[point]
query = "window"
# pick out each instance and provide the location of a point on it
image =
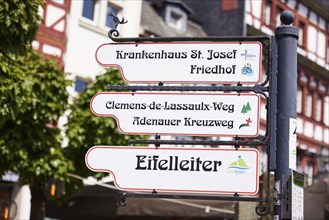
(299, 99)
(267, 12)
(278, 15)
(308, 170)
(176, 18)
(308, 110)
(326, 110)
(302, 33)
(80, 84)
(318, 116)
(109, 19)
(88, 9)
(95, 15)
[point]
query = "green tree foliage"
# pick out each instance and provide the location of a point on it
(19, 21)
(14, 88)
(32, 98)
(30, 141)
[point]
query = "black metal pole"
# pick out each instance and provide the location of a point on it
(287, 37)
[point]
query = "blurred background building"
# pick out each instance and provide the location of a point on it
(72, 31)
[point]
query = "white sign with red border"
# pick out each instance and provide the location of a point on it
(193, 114)
(185, 62)
(190, 170)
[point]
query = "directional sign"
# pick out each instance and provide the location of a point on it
(199, 114)
(185, 62)
(194, 170)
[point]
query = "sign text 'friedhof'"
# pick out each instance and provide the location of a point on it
(185, 62)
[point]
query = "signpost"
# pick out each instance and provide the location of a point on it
(287, 37)
(185, 62)
(204, 170)
(194, 114)
(188, 170)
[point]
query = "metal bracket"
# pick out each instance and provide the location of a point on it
(122, 200)
(114, 32)
(238, 89)
(262, 210)
(157, 137)
(199, 142)
(154, 194)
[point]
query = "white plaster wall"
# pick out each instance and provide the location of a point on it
(256, 8)
(308, 129)
(132, 13)
(300, 126)
(53, 14)
(321, 45)
(326, 136)
(292, 3)
(81, 45)
(302, 10)
(311, 38)
(326, 110)
(84, 37)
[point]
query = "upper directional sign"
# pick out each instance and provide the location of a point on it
(185, 62)
(199, 114)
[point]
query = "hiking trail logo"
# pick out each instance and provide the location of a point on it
(293, 152)
(248, 56)
(238, 167)
(246, 108)
(246, 124)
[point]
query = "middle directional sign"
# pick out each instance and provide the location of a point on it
(183, 113)
(185, 62)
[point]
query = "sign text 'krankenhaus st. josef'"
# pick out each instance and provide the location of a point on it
(195, 114)
(185, 62)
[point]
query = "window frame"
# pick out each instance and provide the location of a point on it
(181, 22)
(98, 24)
(87, 10)
(81, 79)
(108, 17)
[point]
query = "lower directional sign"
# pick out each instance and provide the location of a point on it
(192, 170)
(198, 114)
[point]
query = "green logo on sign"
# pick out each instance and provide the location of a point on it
(238, 167)
(246, 108)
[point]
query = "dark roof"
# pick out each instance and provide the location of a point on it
(153, 24)
(179, 2)
(324, 3)
(321, 7)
